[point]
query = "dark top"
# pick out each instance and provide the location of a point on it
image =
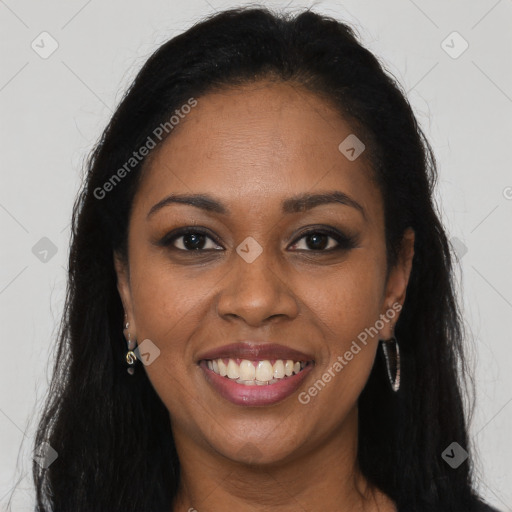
(486, 508)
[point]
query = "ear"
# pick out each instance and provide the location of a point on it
(396, 285)
(123, 287)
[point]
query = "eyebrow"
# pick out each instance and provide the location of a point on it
(300, 203)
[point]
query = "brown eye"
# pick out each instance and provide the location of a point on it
(189, 240)
(323, 241)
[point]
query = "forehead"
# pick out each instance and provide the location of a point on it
(257, 144)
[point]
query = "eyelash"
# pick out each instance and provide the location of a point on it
(344, 242)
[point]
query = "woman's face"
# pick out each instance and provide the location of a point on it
(264, 276)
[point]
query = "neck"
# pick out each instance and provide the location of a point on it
(326, 477)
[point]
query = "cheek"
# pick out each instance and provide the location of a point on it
(164, 292)
(349, 299)
(345, 306)
(171, 304)
(168, 308)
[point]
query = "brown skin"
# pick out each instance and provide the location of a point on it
(251, 148)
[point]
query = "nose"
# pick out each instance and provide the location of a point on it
(256, 293)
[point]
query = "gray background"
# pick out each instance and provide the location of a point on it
(53, 110)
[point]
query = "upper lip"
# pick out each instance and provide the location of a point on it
(255, 351)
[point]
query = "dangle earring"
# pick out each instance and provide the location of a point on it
(131, 358)
(391, 353)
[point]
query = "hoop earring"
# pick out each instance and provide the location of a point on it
(391, 353)
(130, 357)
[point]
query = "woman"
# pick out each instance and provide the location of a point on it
(260, 313)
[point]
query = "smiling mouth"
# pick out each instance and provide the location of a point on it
(255, 372)
(252, 373)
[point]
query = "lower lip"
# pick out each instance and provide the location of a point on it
(240, 394)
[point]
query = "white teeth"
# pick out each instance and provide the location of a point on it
(256, 373)
(247, 370)
(223, 369)
(278, 369)
(233, 370)
(246, 382)
(264, 371)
